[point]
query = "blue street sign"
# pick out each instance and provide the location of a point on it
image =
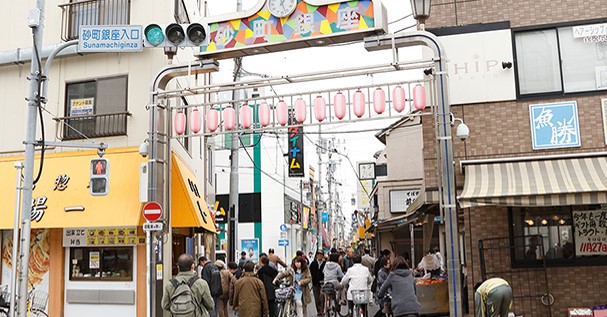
(283, 242)
(325, 216)
(283, 227)
(110, 38)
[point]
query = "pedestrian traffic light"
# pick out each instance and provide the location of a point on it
(176, 35)
(99, 183)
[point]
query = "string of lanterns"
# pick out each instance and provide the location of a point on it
(399, 103)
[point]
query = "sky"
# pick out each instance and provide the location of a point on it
(358, 147)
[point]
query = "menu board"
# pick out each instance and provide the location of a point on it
(90, 237)
(590, 232)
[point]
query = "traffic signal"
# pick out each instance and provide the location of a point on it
(176, 35)
(99, 183)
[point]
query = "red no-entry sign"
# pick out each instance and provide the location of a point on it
(152, 211)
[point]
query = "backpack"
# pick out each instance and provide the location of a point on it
(216, 285)
(182, 301)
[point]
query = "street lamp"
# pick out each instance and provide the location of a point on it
(421, 11)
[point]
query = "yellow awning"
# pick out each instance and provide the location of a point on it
(188, 207)
(74, 206)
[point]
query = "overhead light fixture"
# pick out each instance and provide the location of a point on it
(421, 11)
(544, 222)
(562, 221)
(530, 222)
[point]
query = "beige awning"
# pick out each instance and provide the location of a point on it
(548, 181)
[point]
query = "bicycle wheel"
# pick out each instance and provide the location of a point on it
(329, 307)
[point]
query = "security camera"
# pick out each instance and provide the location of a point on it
(462, 131)
(143, 149)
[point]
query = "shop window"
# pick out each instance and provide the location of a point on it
(549, 234)
(101, 264)
(95, 108)
(561, 60)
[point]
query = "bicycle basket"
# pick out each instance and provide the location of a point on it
(360, 296)
(328, 288)
(284, 294)
(38, 301)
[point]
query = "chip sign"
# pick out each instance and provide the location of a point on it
(152, 211)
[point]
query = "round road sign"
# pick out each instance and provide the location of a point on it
(152, 211)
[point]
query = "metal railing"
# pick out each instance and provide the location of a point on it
(93, 126)
(92, 12)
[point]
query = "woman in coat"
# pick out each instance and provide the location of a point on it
(299, 276)
(401, 282)
(381, 278)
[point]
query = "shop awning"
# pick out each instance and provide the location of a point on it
(189, 209)
(546, 181)
(62, 198)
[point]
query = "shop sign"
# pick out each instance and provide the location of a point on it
(554, 125)
(296, 150)
(306, 217)
(400, 200)
(591, 33)
(590, 232)
(89, 237)
(81, 107)
(94, 260)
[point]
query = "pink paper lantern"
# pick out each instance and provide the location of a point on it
(379, 101)
(398, 99)
(320, 108)
(195, 121)
(419, 97)
(281, 113)
(339, 105)
(358, 103)
(246, 116)
(229, 118)
(264, 114)
(179, 122)
(300, 110)
(212, 120)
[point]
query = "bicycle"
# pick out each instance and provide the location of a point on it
(36, 302)
(360, 298)
(285, 306)
(332, 308)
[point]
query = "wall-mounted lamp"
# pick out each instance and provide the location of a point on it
(506, 65)
(421, 11)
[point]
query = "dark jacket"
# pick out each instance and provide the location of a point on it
(250, 296)
(347, 263)
(382, 275)
(207, 275)
(200, 290)
(401, 282)
(316, 271)
(267, 274)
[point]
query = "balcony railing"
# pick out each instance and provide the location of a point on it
(93, 126)
(92, 12)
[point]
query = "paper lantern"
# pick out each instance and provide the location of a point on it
(229, 118)
(179, 122)
(212, 120)
(358, 103)
(264, 114)
(300, 110)
(339, 105)
(398, 99)
(195, 121)
(281, 113)
(246, 116)
(419, 97)
(379, 101)
(320, 108)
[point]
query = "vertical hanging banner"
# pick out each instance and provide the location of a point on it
(296, 147)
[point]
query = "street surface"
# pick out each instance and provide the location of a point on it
(372, 309)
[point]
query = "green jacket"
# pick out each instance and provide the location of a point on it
(200, 289)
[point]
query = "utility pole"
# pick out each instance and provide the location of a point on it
(233, 225)
(36, 23)
(319, 210)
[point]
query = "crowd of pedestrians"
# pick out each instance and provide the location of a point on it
(249, 288)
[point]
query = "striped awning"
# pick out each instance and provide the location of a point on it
(539, 182)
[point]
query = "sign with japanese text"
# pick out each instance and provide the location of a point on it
(296, 148)
(400, 200)
(82, 107)
(590, 30)
(554, 125)
(590, 232)
(94, 260)
(89, 237)
(110, 38)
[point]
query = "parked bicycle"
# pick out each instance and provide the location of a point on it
(36, 302)
(332, 307)
(360, 298)
(285, 305)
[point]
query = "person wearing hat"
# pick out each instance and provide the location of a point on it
(226, 278)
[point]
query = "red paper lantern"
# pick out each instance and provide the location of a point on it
(246, 116)
(195, 121)
(419, 97)
(179, 122)
(281, 113)
(229, 118)
(264, 114)
(320, 108)
(300, 110)
(212, 120)
(339, 105)
(379, 101)
(358, 103)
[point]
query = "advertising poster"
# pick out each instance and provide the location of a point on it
(590, 232)
(81, 107)
(251, 247)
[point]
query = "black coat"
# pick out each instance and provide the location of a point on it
(267, 274)
(316, 271)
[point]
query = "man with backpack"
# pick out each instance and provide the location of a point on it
(187, 295)
(210, 273)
